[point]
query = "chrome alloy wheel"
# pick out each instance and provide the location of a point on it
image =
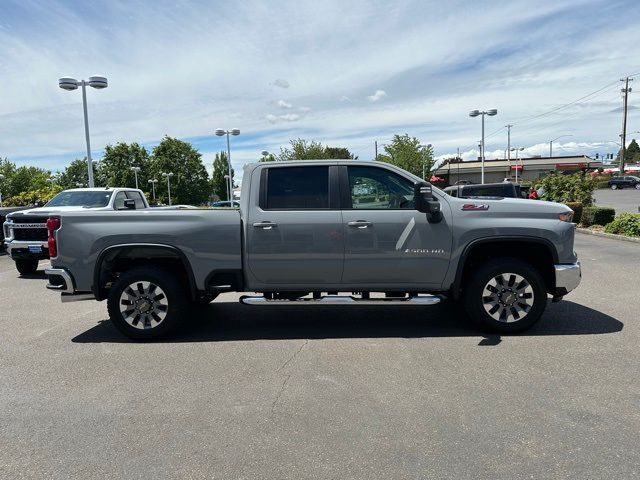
(143, 305)
(507, 297)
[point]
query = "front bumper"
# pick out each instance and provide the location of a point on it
(568, 276)
(25, 249)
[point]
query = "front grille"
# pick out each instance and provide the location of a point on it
(38, 234)
(28, 219)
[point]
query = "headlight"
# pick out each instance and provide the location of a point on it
(566, 216)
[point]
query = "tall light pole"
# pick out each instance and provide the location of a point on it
(168, 177)
(1, 178)
(96, 81)
(425, 155)
(517, 150)
(153, 188)
(135, 171)
(475, 113)
(235, 132)
(551, 143)
(265, 155)
(226, 177)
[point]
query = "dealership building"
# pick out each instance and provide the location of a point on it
(528, 169)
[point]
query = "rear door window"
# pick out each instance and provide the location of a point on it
(118, 202)
(297, 188)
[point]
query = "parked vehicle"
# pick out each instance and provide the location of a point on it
(628, 181)
(307, 230)
(4, 211)
(25, 231)
(502, 189)
(226, 203)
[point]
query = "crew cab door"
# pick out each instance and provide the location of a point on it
(387, 241)
(294, 233)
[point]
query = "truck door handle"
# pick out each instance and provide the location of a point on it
(265, 225)
(360, 224)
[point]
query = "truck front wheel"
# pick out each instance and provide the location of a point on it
(27, 266)
(505, 295)
(146, 303)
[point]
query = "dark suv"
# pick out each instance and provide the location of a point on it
(623, 182)
(502, 189)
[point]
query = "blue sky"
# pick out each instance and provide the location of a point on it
(343, 73)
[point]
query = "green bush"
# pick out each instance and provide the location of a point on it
(577, 210)
(597, 216)
(562, 188)
(33, 197)
(602, 183)
(625, 224)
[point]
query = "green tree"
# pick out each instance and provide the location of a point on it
(114, 169)
(406, 152)
(190, 181)
(338, 153)
(268, 158)
(302, 149)
(219, 184)
(74, 174)
(631, 154)
(18, 180)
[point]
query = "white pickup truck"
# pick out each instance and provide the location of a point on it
(25, 231)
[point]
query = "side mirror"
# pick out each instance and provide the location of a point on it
(130, 204)
(425, 202)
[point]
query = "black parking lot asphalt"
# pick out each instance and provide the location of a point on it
(325, 392)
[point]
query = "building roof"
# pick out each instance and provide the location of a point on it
(541, 163)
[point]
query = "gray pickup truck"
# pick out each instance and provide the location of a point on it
(308, 230)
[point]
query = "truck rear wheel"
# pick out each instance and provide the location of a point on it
(146, 303)
(505, 295)
(27, 266)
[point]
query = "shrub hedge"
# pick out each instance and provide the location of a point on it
(597, 216)
(625, 224)
(577, 210)
(602, 183)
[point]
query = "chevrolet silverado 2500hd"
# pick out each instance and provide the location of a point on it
(25, 231)
(307, 230)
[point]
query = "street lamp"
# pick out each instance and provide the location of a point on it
(424, 159)
(551, 143)
(475, 113)
(235, 132)
(226, 177)
(96, 81)
(515, 149)
(153, 188)
(168, 177)
(79, 185)
(265, 154)
(135, 171)
(1, 178)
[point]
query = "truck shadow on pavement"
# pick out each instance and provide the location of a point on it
(226, 321)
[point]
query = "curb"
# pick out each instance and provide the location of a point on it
(608, 235)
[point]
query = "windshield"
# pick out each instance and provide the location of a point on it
(80, 199)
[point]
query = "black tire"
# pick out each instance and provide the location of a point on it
(514, 307)
(637, 186)
(165, 304)
(614, 187)
(27, 266)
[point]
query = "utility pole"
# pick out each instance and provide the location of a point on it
(376, 157)
(623, 137)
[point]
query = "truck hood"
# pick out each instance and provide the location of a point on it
(511, 207)
(45, 211)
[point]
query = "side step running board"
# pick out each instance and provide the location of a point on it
(343, 300)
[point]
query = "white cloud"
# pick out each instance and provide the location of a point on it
(164, 80)
(378, 95)
(283, 104)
